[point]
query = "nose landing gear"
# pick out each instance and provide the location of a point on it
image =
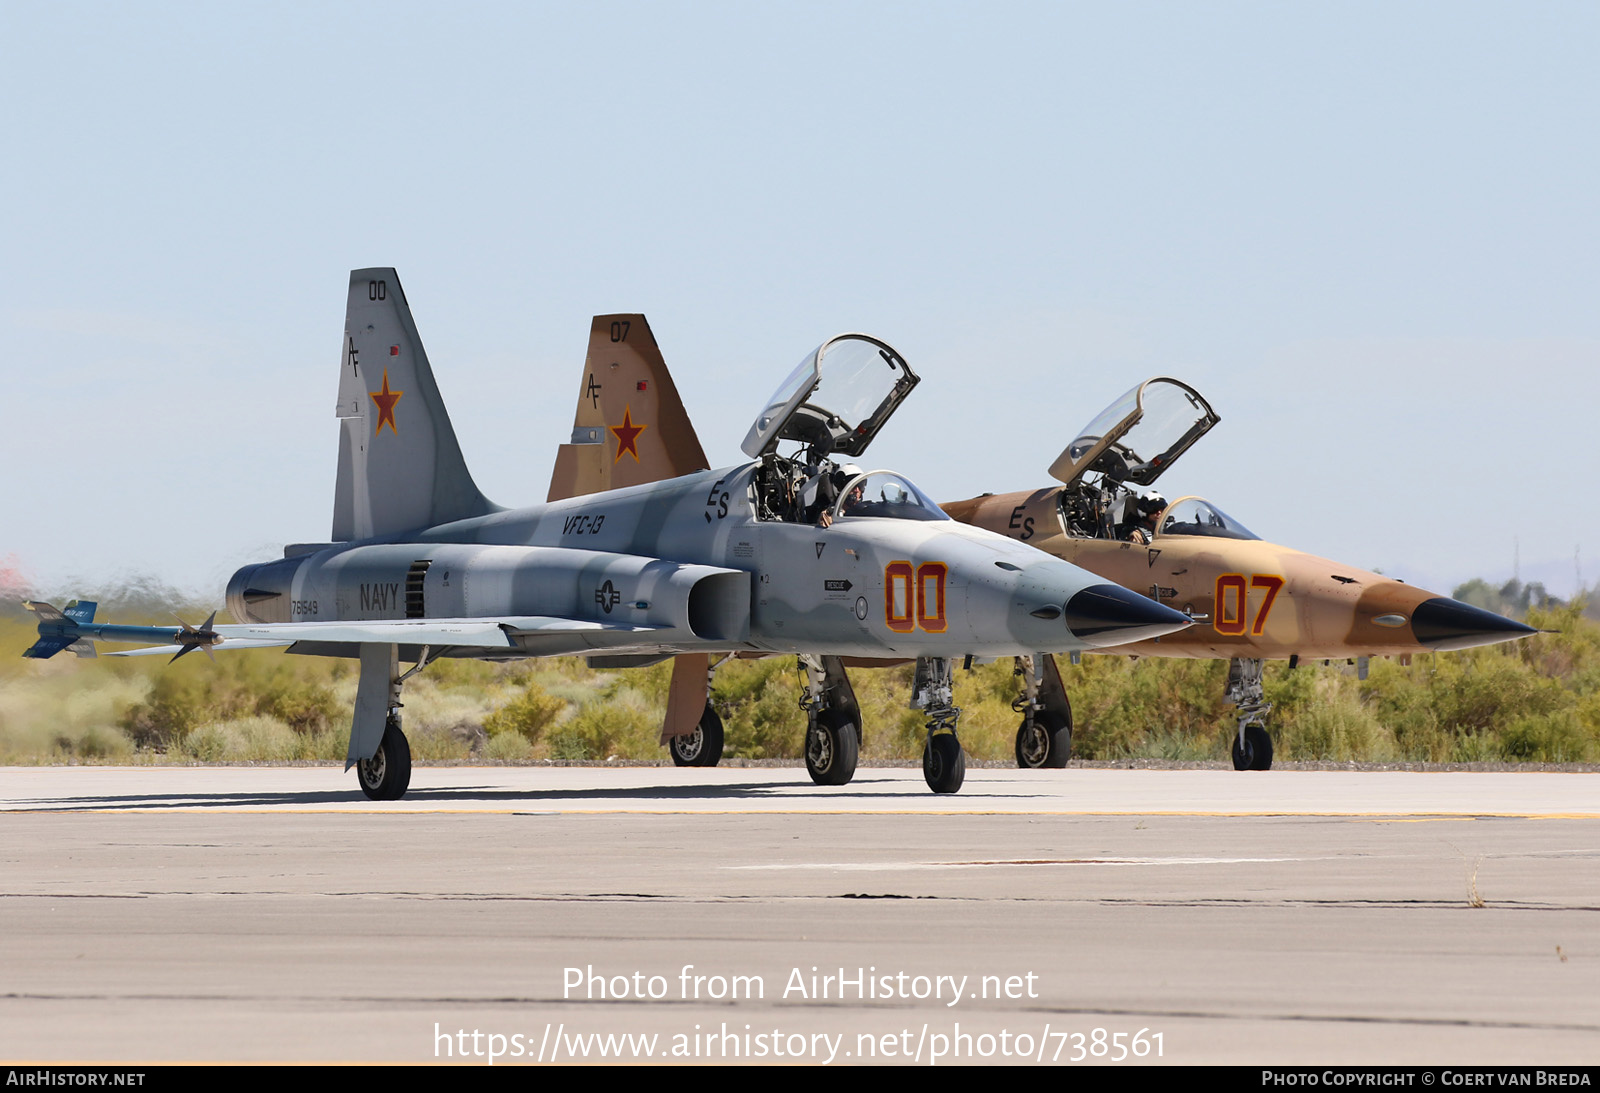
(944, 764)
(1252, 747)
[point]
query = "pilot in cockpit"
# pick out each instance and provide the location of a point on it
(1139, 524)
(817, 491)
(822, 490)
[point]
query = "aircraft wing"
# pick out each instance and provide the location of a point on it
(489, 633)
(539, 634)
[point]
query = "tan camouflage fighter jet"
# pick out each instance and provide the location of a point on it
(1251, 600)
(754, 558)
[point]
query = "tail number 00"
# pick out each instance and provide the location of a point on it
(1233, 602)
(913, 599)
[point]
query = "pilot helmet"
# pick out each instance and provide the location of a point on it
(1151, 503)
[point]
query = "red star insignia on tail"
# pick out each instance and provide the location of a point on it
(627, 435)
(386, 400)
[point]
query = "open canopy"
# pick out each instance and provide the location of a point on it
(1138, 436)
(836, 399)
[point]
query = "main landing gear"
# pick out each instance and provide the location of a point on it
(833, 721)
(692, 731)
(387, 775)
(700, 746)
(1252, 747)
(1045, 738)
(944, 764)
(378, 748)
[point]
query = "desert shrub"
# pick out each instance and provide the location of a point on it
(622, 727)
(174, 705)
(1558, 738)
(1117, 702)
(94, 742)
(758, 703)
(528, 714)
(304, 707)
(255, 738)
(1332, 723)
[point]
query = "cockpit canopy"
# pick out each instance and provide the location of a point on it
(1197, 516)
(1138, 436)
(836, 399)
(887, 495)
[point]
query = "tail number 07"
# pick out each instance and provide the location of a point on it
(1233, 602)
(913, 598)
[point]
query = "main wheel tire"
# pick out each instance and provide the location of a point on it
(1046, 744)
(832, 746)
(386, 776)
(1256, 752)
(944, 764)
(701, 747)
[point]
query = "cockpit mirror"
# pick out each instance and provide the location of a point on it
(836, 399)
(1138, 436)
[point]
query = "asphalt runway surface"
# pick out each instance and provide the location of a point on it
(1121, 917)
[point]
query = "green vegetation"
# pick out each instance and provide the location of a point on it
(1536, 700)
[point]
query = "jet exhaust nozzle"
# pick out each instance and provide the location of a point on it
(1108, 614)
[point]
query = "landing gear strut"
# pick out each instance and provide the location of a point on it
(944, 764)
(1252, 747)
(378, 748)
(833, 721)
(1045, 738)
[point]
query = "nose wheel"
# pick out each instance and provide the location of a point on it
(944, 764)
(1252, 748)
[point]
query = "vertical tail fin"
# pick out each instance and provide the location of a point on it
(630, 427)
(399, 464)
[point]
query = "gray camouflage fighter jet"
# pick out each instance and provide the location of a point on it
(749, 558)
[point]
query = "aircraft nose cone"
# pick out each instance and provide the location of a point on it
(1443, 623)
(1108, 614)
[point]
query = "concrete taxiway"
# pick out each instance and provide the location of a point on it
(260, 913)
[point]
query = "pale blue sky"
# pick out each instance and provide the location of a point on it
(1367, 232)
